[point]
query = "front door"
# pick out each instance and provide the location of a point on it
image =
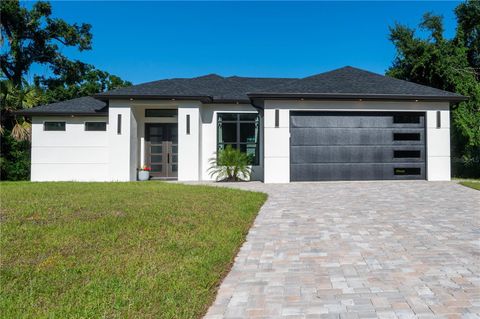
(161, 148)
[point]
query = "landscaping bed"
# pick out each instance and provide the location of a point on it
(116, 250)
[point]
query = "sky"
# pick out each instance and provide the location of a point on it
(147, 41)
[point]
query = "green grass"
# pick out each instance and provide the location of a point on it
(117, 250)
(472, 184)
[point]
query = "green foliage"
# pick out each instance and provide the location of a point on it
(118, 250)
(14, 98)
(230, 165)
(15, 159)
(447, 64)
(468, 15)
(91, 82)
(33, 36)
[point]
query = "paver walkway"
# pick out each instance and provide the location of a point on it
(358, 250)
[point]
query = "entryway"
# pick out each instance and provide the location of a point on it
(161, 149)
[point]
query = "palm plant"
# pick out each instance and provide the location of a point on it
(230, 165)
(14, 98)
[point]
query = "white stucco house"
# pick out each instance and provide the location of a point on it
(346, 124)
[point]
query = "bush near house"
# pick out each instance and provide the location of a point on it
(117, 250)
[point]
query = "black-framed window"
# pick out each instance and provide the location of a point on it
(95, 126)
(241, 131)
(160, 113)
(54, 126)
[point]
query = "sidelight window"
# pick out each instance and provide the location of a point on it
(241, 131)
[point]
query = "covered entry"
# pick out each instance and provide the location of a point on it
(161, 149)
(329, 146)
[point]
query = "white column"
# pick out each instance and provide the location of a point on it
(438, 145)
(189, 142)
(276, 145)
(122, 142)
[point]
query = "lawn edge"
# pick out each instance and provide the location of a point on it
(232, 261)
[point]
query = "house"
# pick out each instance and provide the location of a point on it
(346, 124)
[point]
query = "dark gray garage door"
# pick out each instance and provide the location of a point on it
(326, 146)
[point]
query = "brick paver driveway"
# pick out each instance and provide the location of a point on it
(358, 250)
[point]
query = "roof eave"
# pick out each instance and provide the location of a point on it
(48, 113)
(350, 97)
(106, 97)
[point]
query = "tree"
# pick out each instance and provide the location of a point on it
(33, 36)
(468, 19)
(91, 82)
(444, 64)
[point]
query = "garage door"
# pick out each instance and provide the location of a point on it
(327, 146)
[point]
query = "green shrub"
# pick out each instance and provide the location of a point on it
(230, 165)
(15, 159)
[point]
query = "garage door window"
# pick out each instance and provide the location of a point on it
(406, 136)
(406, 119)
(241, 131)
(406, 171)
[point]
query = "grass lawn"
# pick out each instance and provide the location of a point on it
(472, 184)
(117, 250)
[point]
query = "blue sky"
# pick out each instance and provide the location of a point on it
(146, 41)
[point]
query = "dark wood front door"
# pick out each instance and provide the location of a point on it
(161, 148)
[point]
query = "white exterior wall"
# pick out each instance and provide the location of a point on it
(70, 155)
(209, 136)
(189, 144)
(79, 155)
(438, 145)
(277, 140)
(122, 163)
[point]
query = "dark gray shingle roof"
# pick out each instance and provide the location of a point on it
(86, 105)
(354, 82)
(213, 87)
(346, 82)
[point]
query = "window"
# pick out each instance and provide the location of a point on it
(119, 124)
(54, 126)
(160, 113)
(277, 118)
(439, 119)
(406, 171)
(406, 119)
(95, 126)
(406, 136)
(188, 124)
(241, 131)
(406, 154)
